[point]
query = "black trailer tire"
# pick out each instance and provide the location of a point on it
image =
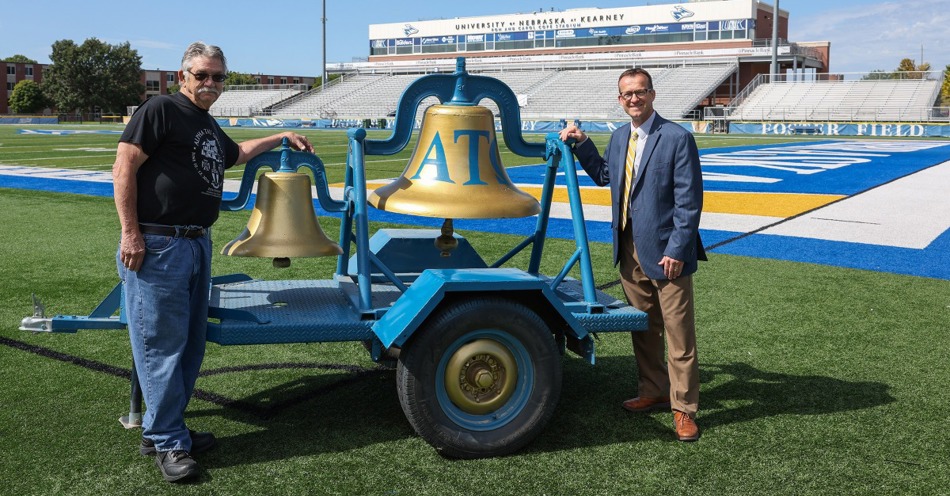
(480, 379)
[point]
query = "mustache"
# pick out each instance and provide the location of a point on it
(208, 90)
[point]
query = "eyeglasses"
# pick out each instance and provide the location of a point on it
(201, 76)
(639, 94)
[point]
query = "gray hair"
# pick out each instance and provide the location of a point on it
(200, 49)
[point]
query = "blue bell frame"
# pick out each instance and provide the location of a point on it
(375, 304)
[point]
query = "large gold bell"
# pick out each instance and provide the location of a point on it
(455, 171)
(283, 224)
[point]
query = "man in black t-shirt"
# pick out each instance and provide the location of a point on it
(168, 176)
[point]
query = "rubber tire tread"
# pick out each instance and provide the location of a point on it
(416, 371)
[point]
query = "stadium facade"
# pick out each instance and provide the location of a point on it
(652, 35)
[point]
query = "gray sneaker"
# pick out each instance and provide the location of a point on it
(200, 442)
(176, 465)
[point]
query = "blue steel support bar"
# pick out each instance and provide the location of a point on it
(547, 197)
(514, 251)
(109, 304)
(566, 269)
(386, 271)
(357, 137)
(577, 215)
(100, 318)
(346, 223)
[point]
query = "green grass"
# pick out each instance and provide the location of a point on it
(815, 380)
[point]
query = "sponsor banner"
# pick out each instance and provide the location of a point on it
(640, 30)
(568, 33)
(438, 40)
(694, 26)
(517, 36)
(29, 120)
(874, 129)
(733, 25)
(262, 122)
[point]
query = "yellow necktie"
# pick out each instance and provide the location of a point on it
(628, 178)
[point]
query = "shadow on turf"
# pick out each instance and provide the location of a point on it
(323, 412)
(763, 394)
(343, 409)
(589, 413)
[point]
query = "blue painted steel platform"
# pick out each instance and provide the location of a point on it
(306, 311)
(290, 311)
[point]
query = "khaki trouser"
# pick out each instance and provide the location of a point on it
(669, 306)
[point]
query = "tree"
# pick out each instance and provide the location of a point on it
(945, 89)
(877, 74)
(240, 79)
(94, 74)
(20, 59)
(911, 70)
(319, 80)
(27, 98)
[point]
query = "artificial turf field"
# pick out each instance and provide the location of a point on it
(818, 377)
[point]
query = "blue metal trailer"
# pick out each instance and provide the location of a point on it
(478, 345)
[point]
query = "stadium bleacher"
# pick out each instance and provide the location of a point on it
(587, 94)
(544, 93)
(248, 101)
(839, 100)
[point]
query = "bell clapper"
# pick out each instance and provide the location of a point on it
(446, 242)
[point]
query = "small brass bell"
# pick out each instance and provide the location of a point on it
(283, 224)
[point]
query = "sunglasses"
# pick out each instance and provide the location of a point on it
(201, 76)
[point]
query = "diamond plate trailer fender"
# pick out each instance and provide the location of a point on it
(433, 286)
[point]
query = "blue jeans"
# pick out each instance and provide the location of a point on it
(166, 304)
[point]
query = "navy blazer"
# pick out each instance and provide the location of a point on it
(667, 194)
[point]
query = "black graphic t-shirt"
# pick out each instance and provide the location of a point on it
(181, 181)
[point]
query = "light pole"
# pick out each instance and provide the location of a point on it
(323, 81)
(773, 70)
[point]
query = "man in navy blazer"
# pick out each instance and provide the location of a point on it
(656, 190)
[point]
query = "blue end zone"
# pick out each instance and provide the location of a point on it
(825, 167)
(933, 261)
(78, 187)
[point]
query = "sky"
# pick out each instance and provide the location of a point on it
(287, 38)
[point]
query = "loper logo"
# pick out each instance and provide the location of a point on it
(409, 30)
(208, 160)
(679, 12)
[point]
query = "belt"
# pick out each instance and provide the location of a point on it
(175, 232)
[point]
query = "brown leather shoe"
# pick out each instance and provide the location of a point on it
(686, 428)
(639, 404)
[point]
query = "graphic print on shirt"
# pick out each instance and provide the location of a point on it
(208, 161)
